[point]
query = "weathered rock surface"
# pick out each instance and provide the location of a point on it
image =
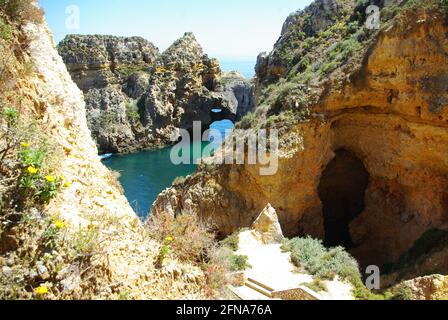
(386, 108)
(434, 287)
(93, 200)
(238, 92)
(98, 61)
(268, 226)
(181, 91)
(317, 17)
(136, 97)
(112, 73)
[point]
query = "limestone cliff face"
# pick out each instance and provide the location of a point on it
(238, 93)
(392, 114)
(181, 90)
(98, 61)
(369, 163)
(93, 199)
(137, 97)
(111, 73)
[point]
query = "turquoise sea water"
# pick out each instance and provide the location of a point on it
(144, 175)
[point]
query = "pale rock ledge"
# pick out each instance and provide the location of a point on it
(267, 226)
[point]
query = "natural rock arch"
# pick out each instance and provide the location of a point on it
(342, 189)
(220, 113)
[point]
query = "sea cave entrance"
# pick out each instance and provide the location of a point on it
(342, 191)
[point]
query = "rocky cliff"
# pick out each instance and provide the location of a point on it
(363, 133)
(80, 239)
(137, 97)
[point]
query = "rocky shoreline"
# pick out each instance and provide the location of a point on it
(136, 97)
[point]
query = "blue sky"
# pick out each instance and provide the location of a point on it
(227, 29)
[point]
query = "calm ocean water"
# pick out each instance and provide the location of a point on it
(144, 175)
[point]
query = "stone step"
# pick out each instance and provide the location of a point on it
(259, 287)
(246, 293)
(258, 283)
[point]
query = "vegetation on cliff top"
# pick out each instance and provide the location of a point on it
(305, 58)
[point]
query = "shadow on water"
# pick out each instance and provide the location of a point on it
(144, 175)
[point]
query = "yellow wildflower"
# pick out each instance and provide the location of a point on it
(67, 184)
(41, 290)
(169, 239)
(50, 179)
(59, 224)
(25, 144)
(32, 170)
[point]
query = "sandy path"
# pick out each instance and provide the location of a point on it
(273, 268)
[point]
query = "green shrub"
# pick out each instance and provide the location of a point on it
(401, 292)
(132, 110)
(5, 30)
(325, 263)
(48, 188)
(316, 66)
(307, 253)
(36, 185)
(36, 181)
(352, 27)
(30, 156)
(349, 47)
(304, 63)
(304, 77)
(329, 67)
(301, 35)
(46, 241)
(317, 285)
(164, 251)
(239, 262)
(248, 121)
(232, 242)
(11, 116)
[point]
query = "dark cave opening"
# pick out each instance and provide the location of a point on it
(342, 191)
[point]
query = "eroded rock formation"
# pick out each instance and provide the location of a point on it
(91, 203)
(238, 94)
(136, 97)
(268, 227)
(371, 147)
